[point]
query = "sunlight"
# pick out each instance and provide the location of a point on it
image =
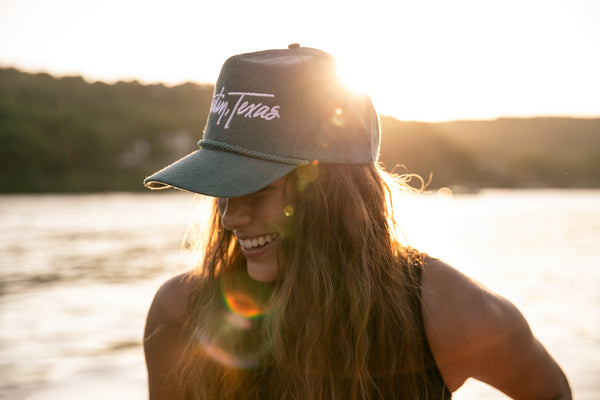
(429, 61)
(355, 74)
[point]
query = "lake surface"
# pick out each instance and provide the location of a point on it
(78, 273)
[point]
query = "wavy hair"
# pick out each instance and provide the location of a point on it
(342, 322)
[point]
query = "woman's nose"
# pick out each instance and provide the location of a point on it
(234, 213)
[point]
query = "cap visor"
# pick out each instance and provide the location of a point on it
(218, 173)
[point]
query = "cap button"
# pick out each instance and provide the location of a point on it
(293, 46)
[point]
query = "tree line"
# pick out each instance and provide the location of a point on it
(64, 134)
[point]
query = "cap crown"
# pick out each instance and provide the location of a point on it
(289, 106)
(272, 111)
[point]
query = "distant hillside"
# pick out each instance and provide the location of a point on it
(65, 134)
(507, 152)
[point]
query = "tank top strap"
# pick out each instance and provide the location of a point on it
(435, 381)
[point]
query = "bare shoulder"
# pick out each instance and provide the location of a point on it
(475, 332)
(171, 299)
(457, 312)
(453, 300)
(163, 335)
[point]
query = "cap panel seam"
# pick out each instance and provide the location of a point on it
(301, 104)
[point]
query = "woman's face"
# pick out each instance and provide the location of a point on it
(259, 221)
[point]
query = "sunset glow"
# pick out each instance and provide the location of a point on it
(430, 60)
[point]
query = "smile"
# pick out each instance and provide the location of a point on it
(257, 242)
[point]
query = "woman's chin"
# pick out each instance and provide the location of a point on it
(263, 272)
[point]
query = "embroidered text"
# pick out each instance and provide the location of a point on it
(244, 106)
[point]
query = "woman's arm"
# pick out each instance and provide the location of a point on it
(163, 341)
(476, 333)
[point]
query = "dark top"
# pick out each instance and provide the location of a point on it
(435, 381)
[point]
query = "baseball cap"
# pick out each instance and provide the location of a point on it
(271, 112)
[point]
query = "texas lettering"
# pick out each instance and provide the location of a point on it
(247, 105)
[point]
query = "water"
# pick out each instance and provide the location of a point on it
(78, 272)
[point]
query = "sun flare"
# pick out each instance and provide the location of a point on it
(355, 75)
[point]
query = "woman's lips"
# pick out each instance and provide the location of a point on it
(256, 247)
(257, 242)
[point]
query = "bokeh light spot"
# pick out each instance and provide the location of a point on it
(338, 117)
(307, 174)
(444, 193)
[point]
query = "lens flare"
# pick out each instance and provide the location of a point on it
(236, 359)
(243, 296)
(338, 118)
(233, 338)
(225, 358)
(307, 174)
(241, 304)
(237, 321)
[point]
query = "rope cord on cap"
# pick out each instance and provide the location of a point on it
(216, 145)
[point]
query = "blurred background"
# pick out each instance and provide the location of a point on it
(497, 103)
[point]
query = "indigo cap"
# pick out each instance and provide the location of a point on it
(271, 112)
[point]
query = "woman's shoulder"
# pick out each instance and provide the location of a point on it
(475, 332)
(171, 299)
(458, 313)
(452, 299)
(164, 341)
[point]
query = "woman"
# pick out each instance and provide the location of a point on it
(304, 291)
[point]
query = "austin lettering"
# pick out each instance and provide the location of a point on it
(245, 106)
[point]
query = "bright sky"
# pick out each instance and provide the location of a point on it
(427, 60)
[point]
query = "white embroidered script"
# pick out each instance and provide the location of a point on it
(244, 106)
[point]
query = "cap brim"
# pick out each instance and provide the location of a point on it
(218, 173)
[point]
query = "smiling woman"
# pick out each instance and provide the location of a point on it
(258, 222)
(304, 289)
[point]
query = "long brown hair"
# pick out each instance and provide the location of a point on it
(343, 321)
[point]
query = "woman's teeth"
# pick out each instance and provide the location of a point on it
(257, 241)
